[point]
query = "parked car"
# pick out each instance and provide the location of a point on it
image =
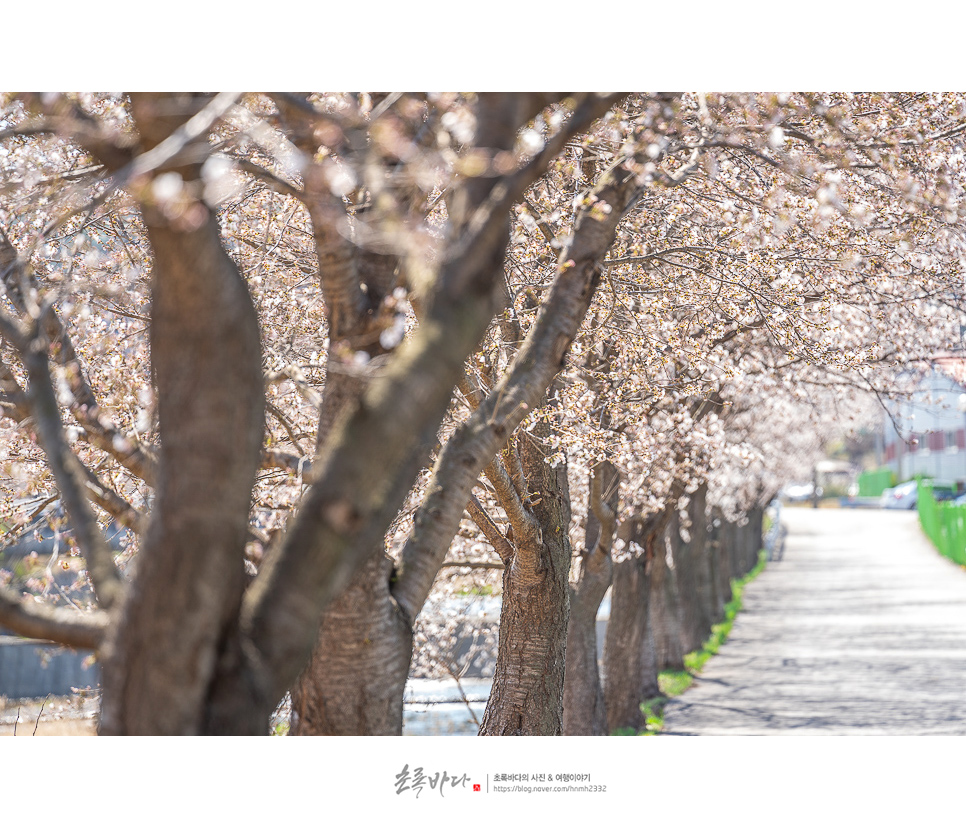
(798, 492)
(900, 497)
(945, 492)
(905, 496)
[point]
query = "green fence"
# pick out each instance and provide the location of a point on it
(944, 523)
(873, 482)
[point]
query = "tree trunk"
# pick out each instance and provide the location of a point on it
(757, 542)
(732, 540)
(584, 713)
(693, 570)
(189, 576)
(747, 541)
(723, 559)
(665, 610)
(354, 682)
(527, 694)
(718, 575)
(630, 661)
(498, 123)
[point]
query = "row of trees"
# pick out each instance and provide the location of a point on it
(311, 350)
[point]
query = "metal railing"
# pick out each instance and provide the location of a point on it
(943, 522)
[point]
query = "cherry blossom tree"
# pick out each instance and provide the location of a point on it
(230, 648)
(297, 343)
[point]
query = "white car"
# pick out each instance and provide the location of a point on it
(904, 496)
(798, 492)
(901, 497)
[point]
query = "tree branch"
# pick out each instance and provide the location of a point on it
(489, 529)
(81, 630)
(135, 457)
(373, 453)
(477, 441)
(294, 464)
(69, 475)
(276, 184)
(109, 501)
(520, 517)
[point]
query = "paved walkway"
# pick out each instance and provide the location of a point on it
(860, 629)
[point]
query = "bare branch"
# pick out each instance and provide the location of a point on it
(489, 529)
(277, 459)
(520, 517)
(277, 184)
(66, 626)
(69, 476)
(279, 415)
(109, 501)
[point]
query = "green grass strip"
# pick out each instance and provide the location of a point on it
(673, 684)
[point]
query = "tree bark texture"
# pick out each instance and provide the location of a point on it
(743, 541)
(731, 539)
(190, 649)
(354, 682)
(724, 572)
(541, 357)
(360, 614)
(693, 571)
(630, 659)
(177, 631)
(757, 525)
(665, 609)
(528, 683)
(584, 712)
(715, 591)
(373, 454)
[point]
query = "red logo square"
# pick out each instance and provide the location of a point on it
(476, 787)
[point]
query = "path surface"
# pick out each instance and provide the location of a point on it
(860, 629)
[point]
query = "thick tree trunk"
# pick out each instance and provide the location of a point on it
(528, 683)
(730, 537)
(630, 661)
(184, 599)
(746, 541)
(373, 456)
(476, 442)
(665, 610)
(354, 682)
(584, 712)
(693, 570)
(722, 545)
(757, 524)
(246, 647)
(719, 577)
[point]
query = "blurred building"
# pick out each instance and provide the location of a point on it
(926, 435)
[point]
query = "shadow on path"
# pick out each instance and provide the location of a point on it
(860, 629)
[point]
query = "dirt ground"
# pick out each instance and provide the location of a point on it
(63, 716)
